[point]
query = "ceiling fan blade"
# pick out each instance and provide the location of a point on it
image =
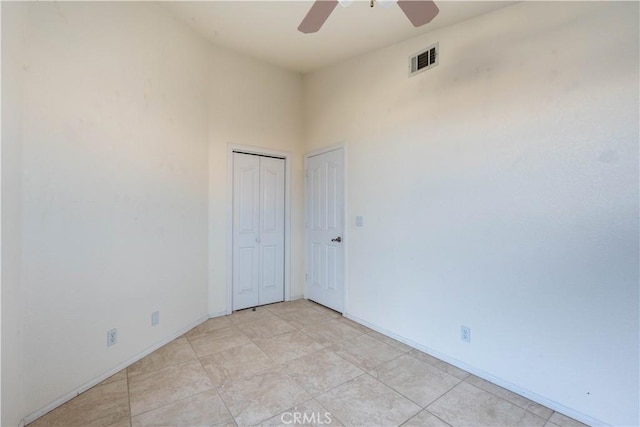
(317, 15)
(419, 12)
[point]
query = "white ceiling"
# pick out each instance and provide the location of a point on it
(267, 29)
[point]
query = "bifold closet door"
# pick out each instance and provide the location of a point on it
(258, 230)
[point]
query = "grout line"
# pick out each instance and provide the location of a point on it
(281, 367)
(401, 394)
(438, 367)
(278, 366)
(438, 417)
(379, 381)
(506, 400)
(423, 407)
(389, 344)
(156, 370)
(430, 413)
(333, 417)
(442, 395)
(172, 366)
(213, 383)
(372, 333)
(180, 400)
(340, 385)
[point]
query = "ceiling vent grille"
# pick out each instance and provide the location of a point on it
(424, 60)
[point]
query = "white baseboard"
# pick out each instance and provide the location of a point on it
(296, 297)
(217, 314)
(86, 386)
(551, 404)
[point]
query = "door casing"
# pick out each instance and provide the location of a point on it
(287, 215)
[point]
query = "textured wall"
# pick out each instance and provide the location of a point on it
(500, 191)
(115, 187)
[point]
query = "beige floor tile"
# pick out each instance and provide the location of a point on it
(366, 352)
(289, 346)
(307, 414)
(209, 326)
(305, 318)
(121, 375)
(564, 421)
(237, 363)
(99, 406)
(330, 332)
(325, 311)
(425, 419)
(266, 328)
(218, 340)
(469, 405)
(536, 408)
(420, 382)
(448, 368)
(365, 401)
(204, 409)
(248, 315)
(158, 388)
(176, 352)
(260, 397)
(321, 371)
(388, 340)
(123, 423)
(285, 307)
(355, 325)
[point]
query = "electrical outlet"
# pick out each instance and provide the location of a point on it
(155, 318)
(112, 337)
(465, 334)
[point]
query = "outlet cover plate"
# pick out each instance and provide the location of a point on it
(465, 334)
(112, 337)
(155, 318)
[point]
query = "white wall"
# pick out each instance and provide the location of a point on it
(253, 104)
(500, 191)
(127, 115)
(115, 187)
(13, 27)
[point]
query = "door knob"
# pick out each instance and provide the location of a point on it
(337, 239)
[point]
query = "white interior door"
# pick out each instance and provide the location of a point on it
(258, 230)
(325, 228)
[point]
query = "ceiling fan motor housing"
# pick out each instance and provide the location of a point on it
(419, 12)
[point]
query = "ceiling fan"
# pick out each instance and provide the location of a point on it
(419, 12)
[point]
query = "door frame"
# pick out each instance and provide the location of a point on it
(345, 212)
(231, 148)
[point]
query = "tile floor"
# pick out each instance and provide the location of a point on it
(295, 363)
